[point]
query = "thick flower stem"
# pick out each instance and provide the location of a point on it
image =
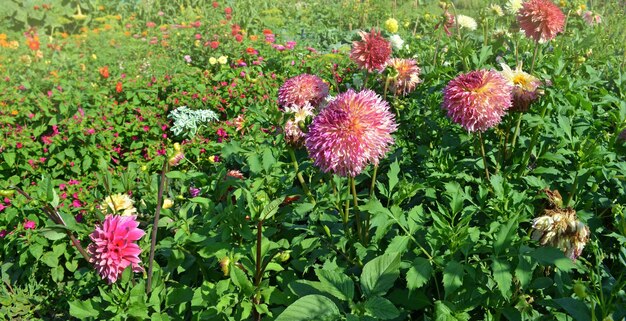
(155, 225)
(357, 215)
(258, 274)
(482, 150)
(533, 141)
(373, 184)
(532, 66)
(516, 132)
(305, 187)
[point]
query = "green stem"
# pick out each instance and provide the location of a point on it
(533, 141)
(570, 197)
(155, 226)
(373, 180)
(515, 134)
(532, 66)
(357, 215)
(305, 187)
(482, 150)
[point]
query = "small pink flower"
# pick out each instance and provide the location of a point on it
(61, 186)
(76, 203)
(73, 181)
(2, 207)
(29, 225)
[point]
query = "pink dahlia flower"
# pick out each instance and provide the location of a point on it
(541, 20)
(406, 75)
(351, 132)
(302, 89)
(477, 100)
(372, 52)
(113, 248)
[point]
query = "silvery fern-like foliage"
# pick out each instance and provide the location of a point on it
(187, 121)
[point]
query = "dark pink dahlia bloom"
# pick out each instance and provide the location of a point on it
(541, 20)
(477, 100)
(302, 89)
(351, 132)
(372, 52)
(114, 248)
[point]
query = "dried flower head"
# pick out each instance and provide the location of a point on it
(372, 52)
(405, 75)
(352, 131)
(114, 248)
(301, 90)
(560, 228)
(525, 87)
(477, 100)
(541, 20)
(119, 204)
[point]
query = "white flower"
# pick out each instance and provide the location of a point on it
(512, 6)
(118, 204)
(396, 42)
(496, 9)
(212, 60)
(222, 60)
(466, 22)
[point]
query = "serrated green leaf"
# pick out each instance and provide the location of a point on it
(497, 182)
(502, 275)
(552, 256)
(392, 174)
(270, 210)
(310, 308)
(9, 158)
(82, 309)
(240, 279)
(575, 308)
(419, 273)
(379, 274)
(268, 159)
(340, 282)
(381, 308)
(452, 277)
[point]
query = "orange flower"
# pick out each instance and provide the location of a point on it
(104, 71)
(254, 38)
(267, 32)
(251, 51)
(118, 87)
(14, 112)
(33, 43)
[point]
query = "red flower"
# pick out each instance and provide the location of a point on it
(239, 38)
(541, 20)
(118, 87)
(215, 44)
(228, 10)
(372, 52)
(215, 4)
(104, 72)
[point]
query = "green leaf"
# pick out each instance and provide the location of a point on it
(310, 308)
(9, 158)
(179, 295)
(552, 256)
(268, 159)
(82, 309)
(340, 282)
(392, 174)
(575, 308)
(270, 210)
(452, 277)
(505, 235)
(52, 233)
(496, 183)
(381, 308)
(419, 273)
(502, 275)
(379, 274)
(240, 279)
(50, 259)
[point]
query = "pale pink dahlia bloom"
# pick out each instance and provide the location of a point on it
(406, 75)
(302, 89)
(351, 132)
(114, 248)
(541, 20)
(372, 52)
(477, 100)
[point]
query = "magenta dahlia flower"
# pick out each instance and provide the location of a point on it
(351, 132)
(114, 248)
(372, 52)
(541, 20)
(477, 100)
(302, 89)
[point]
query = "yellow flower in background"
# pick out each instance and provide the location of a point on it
(119, 204)
(94, 57)
(391, 25)
(222, 60)
(212, 60)
(167, 203)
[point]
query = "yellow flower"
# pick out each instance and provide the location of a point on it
(120, 204)
(222, 60)
(212, 158)
(94, 57)
(212, 60)
(391, 25)
(167, 203)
